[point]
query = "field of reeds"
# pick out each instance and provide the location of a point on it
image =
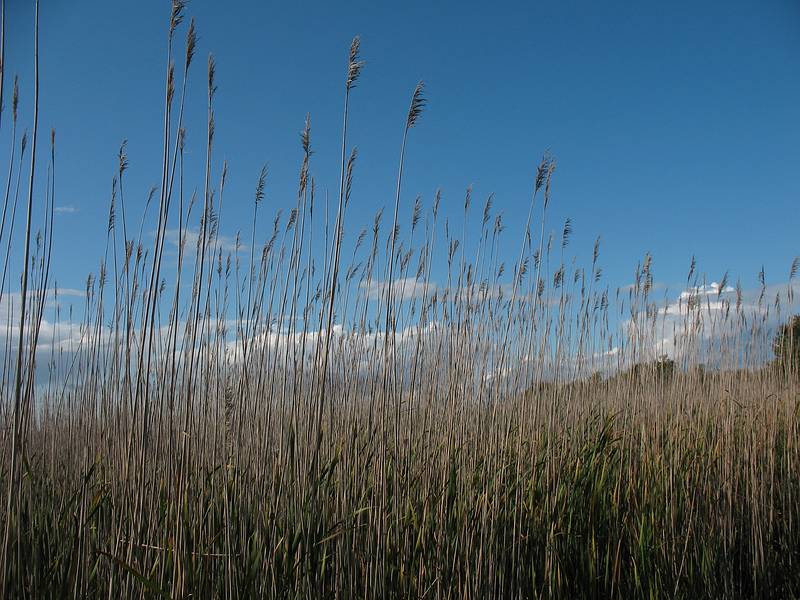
(407, 413)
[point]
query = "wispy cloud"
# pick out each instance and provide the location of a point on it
(54, 334)
(402, 289)
(350, 348)
(410, 288)
(192, 236)
(701, 316)
(658, 285)
(66, 209)
(712, 288)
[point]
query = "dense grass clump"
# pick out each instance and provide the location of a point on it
(401, 414)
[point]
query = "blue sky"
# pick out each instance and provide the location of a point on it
(675, 124)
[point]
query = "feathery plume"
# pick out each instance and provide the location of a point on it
(123, 157)
(305, 136)
(112, 210)
(170, 83)
(738, 295)
(418, 102)
(191, 43)
(176, 16)
(541, 171)
(354, 63)
(566, 233)
(415, 215)
(487, 209)
(722, 284)
(498, 225)
(212, 71)
(15, 99)
(262, 178)
(351, 161)
(596, 251)
(548, 182)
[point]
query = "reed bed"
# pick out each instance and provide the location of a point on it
(405, 413)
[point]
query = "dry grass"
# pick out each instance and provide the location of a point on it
(303, 425)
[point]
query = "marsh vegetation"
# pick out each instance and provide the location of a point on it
(404, 413)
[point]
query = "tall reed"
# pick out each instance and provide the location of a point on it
(407, 413)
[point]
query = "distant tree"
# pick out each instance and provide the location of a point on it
(701, 373)
(665, 367)
(786, 345)
(661, 369)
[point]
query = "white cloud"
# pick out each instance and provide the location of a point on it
(707, 315)
(359, 349)
(52, 334)
(658, 285)
(608, 353)
(65, 209)
(192, 236)
(402, 289)
(410, 288)
(712, 288)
